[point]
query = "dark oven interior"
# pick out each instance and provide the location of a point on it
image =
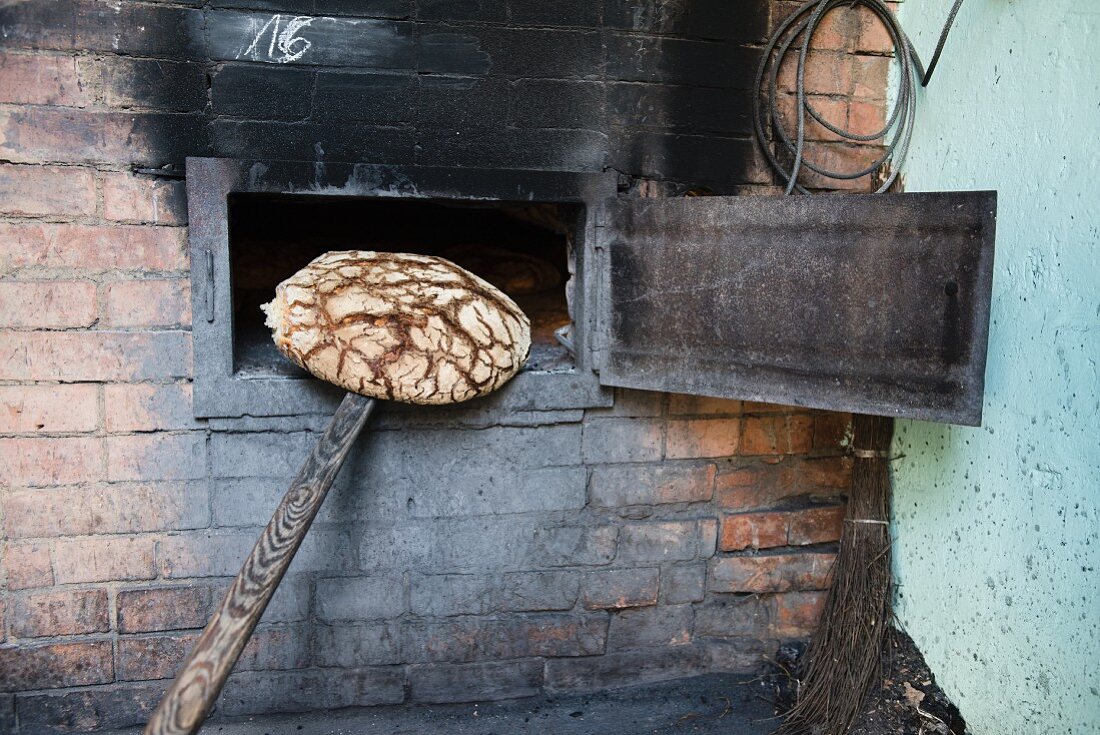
(520, 247)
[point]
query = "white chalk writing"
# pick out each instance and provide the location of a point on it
(284, 45)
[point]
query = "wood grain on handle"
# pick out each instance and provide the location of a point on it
(196, 687)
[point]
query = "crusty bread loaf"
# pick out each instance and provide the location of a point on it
(410, 328)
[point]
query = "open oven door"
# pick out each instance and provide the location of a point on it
(871, 304)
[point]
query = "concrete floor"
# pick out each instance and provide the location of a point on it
(705, 705)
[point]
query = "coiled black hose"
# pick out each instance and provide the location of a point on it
(800, 28)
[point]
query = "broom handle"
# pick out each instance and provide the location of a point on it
(196, 687)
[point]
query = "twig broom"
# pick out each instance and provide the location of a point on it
(843, 659)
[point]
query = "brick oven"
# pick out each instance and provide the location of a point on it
(166, 162)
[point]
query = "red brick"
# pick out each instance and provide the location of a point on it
(815, 525)
(95, 356)
(159, 303)
(776, 435)
(831, 429)
(684, 405)
(834, 110)
(91, 247)
(42, 461)
(102, 559)
(841, 158)
(114, 508)
(839, 29)
(869, 76)
(129, 198)
(761, 485)
(692, 438)
(773, 573)
(614, 589)
(747, 488)
(38, 79)
(796, 614)
(55, 665)
(781, 528)
(28, 565)
(866, 118)
(825, 472)
(827, 73)
(753, 530)
(156, 457)
(62, 612)
(873, 36)
(27, 409)
(46, 190)
(47, 304)
(173, 608)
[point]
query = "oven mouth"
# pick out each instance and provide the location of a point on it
(523, 248)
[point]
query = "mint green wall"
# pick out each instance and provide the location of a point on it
(997, 532)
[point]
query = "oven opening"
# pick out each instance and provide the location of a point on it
(521, 247)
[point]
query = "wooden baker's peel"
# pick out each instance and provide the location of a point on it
(411, 328)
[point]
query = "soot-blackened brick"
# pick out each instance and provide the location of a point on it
(359, 8)
(566, 54)
(448, 10)
(311, 689)
(38, 25)
(145, 30)
(7, 711)
(366, 8)
(680, 108)
(719, 162)
(347, 142)
(122, 705)
(744, 20)
(635, 58)
(474, 682)
(370, 644)
(297, 7)
(445, 50)
(551, 103)
(462, 101)
(666, 625)
(385, 99)
(156, 83)
(89, 25)
(36, 134)
(326, 41)
(578, 13)
(262, 92)
(559, 150)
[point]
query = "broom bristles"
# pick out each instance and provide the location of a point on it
(843, 659)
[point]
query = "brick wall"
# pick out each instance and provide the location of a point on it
(671, 536)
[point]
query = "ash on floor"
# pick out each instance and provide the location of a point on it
(718, 704)
(908, 701)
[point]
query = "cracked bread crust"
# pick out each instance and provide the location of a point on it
(399, 327)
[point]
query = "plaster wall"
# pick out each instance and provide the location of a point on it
(997, 537)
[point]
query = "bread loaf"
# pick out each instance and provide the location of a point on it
(409, 328)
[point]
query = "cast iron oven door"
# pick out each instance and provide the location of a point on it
(874, 304)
